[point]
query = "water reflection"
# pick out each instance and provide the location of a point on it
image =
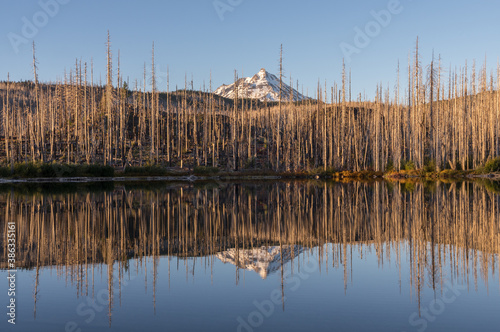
(264, 260)
(447, 233)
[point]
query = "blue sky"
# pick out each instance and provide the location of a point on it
(191, 38)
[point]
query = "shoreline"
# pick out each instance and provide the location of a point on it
(177, 175)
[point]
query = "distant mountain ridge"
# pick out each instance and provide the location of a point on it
(263, 86)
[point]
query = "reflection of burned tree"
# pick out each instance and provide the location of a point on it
(455, 225)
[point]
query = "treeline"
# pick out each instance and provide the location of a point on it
(433, 122)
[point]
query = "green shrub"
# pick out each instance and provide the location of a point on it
(205, 170)
(390, 166)
(408, 165)
(148, 170)
(26, 170)
(492, 165)
(4, 172)
(66, 170)
(430, 166)
(47, 170)
(97, 170)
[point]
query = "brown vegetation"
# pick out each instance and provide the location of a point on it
(454, 126)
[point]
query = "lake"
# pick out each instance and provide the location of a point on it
(243, 256)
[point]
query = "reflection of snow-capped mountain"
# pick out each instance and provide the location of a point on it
(263, 86)
(264, 260)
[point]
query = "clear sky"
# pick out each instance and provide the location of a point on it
(195, 37)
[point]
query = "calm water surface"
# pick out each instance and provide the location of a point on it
(287, 256)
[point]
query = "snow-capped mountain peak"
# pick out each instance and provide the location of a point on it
(263, 86)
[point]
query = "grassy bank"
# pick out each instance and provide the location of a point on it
(490, 169)
(53, 170)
